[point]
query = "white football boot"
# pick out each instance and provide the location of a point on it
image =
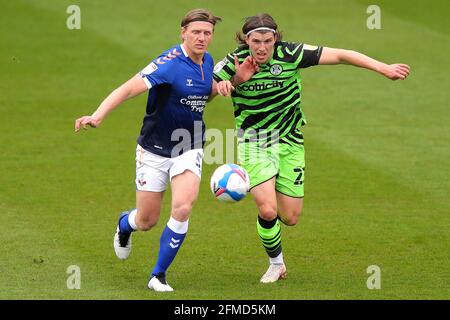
(274, 273)
(122, 242)
(159, 284)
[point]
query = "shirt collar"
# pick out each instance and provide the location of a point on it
(184, 51)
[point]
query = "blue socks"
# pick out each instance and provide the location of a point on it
(127, 222)
(170, 242)
(171, 239)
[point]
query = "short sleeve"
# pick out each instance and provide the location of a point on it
(224, 69)
(158, 72)
(310, 56)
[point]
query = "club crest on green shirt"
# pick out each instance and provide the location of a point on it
(276, 69)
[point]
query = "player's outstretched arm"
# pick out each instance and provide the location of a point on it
(129, 89)
(341, 56)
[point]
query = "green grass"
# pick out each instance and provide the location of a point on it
(378, 174)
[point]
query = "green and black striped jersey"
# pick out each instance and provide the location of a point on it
(270, 101)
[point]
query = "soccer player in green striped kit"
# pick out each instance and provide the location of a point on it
(262, 76)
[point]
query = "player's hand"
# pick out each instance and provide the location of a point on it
(245, 70)
(86, 121)
(224, 88)
(397, 71)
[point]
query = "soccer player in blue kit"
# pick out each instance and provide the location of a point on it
(170, 145)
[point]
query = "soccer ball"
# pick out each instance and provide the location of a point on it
(230, 183)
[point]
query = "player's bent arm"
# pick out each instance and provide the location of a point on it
(332, 56)
(224, 88)
(244, 71)
(214, 92)
(129, 89)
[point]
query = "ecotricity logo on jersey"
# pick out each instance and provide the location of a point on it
(262, 86)
(196, 103)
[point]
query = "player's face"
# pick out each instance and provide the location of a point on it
(196, 36)
(261, 46)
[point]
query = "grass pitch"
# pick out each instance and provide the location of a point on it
(378, 155)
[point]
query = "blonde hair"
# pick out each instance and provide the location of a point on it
(199, 15)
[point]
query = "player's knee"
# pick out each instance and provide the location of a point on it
(146, 222)
(291, 221)
(291, 218)
(268, 212)
(182, 211)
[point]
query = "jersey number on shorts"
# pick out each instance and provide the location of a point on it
(299, 181)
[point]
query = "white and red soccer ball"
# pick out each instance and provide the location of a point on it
(230, 183)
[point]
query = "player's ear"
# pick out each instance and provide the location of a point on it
(183, 33)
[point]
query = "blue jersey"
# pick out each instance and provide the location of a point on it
(178, 91)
